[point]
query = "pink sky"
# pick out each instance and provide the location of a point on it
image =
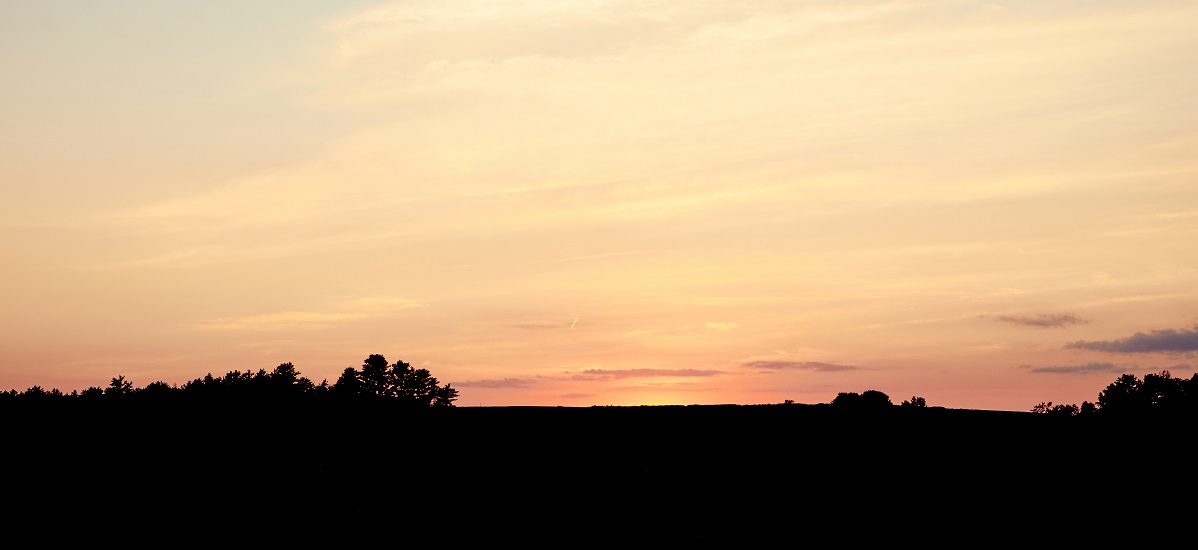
(604, 202)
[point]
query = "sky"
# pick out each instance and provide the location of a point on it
(990, 205)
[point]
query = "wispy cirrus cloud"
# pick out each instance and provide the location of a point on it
(350, 310)
(1156, 341)
(499, 383)
(616, 374)
(542, 326)
(519, 76)
(1087, 368)
(283, 320)
(1043, 320)
(797, 365)
(1101, 367)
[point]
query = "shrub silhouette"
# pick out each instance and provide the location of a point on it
(915, 402)
(868, 400)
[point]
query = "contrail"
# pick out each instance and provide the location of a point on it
(574, 323)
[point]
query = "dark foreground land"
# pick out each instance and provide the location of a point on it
(732, 476)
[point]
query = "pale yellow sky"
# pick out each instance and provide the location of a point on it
(604, 202)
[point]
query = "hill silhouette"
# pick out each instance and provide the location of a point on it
(311, 465)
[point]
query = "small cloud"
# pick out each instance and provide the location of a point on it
(351, 310)
(723, 326)
(576, 395)
(1177, 215)
(1105, 368)
(674, 331)
(591, 257)
(539, 326)
(1078, 369)
(797, 365)
(1043, 320)
(1165, 340)
(286, 320)
(379, 304)
(505, 383)
(608, 374)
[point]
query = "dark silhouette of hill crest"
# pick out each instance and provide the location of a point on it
(266, 448)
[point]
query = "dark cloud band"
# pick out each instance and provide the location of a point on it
(1166, 340)
(1043, 320)
(1078, 369)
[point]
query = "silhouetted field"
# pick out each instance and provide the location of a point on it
(666, 474)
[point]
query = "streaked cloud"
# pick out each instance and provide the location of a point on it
(541, 326)
(649, 76)
(1087, 368)
(616, 374)
(1043, 320)
(1102, 367)
(1185, 215)
(351, 310)
(593, 256)
(1156, 341)
(797, 365)
(499, 383)
(284, 320)
(379, 304)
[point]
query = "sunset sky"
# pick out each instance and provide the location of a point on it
(595, 202)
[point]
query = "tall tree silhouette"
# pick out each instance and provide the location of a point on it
(119, 386)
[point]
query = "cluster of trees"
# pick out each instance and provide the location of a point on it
(873, 399)
(1128, 395)
(377, 379)
(396, 380)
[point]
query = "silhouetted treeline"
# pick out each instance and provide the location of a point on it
(1128, 397)
(375, 380)
(1156, 395)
